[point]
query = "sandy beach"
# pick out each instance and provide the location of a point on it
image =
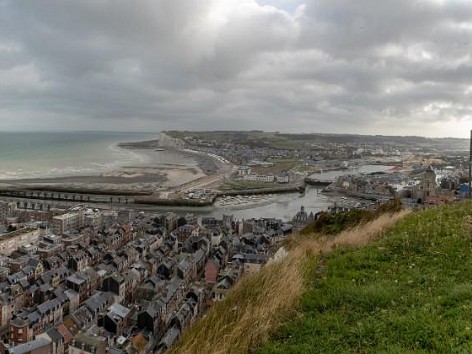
(167, 170)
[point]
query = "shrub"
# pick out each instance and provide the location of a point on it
(331, 224)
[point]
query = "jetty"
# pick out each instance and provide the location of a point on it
(318, 182)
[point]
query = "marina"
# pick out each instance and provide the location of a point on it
(243, 201)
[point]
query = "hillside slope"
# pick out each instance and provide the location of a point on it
(260, 303)
(409, 292)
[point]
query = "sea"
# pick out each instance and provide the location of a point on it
(64, 154)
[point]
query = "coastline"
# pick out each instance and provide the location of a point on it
(167, 171)
(67, 154)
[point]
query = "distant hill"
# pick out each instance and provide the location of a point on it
(296, 141)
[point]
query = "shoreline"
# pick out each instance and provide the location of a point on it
(167, 170)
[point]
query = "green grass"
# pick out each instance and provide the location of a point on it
(410, 292)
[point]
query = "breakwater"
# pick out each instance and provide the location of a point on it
(176, 202)
(125, 196)
(270, 190)
(354, 194)
(316, 182)
(71, 196)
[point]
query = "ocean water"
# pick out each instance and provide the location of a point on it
(44, 155)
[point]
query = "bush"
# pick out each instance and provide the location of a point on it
(11, 228)
(331, 224)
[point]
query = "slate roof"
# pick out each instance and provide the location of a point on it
(256, 258)
(33, 317)
(184, 265)
(48, 306)
(55, 335)
(46, 287)
(199, 255)
(154, 308)
(24, 283)
(29, 346)
(118, 310)
(224, 284)
(171, 336)
(76, 279)
(172, 288)
(97, 301)
(71, 294)
(15, 278)
(82, 316)
(46, 277)
(60, 295)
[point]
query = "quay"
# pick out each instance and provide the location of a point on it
(135, 197)
(317, 182)
(210, 199)
(360, 195)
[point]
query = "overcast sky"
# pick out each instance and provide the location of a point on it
(391, 67)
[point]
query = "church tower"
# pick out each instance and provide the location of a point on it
(427, 187)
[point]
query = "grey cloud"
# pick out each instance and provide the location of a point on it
(291, 65)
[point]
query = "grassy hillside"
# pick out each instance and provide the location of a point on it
(260, 303)
(399, 284)
(409, 292)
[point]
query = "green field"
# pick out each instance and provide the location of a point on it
(250, 138)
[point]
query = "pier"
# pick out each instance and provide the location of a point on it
(33, 195)
(317, 182)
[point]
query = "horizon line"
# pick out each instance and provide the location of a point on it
(224, 130)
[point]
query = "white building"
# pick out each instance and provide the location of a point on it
(93, 219)
(11, 242)
(270, 178)
(283, 178)
(244, 171)
(66, 222)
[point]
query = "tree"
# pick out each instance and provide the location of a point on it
(11, 228)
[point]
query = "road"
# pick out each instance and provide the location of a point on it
(225, 170)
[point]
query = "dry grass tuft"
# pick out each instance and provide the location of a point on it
(360, 235)
(259, 303)
(251, 310)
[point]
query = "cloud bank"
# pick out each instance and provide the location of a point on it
(368, 66)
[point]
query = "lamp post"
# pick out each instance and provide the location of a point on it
(470, 164)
